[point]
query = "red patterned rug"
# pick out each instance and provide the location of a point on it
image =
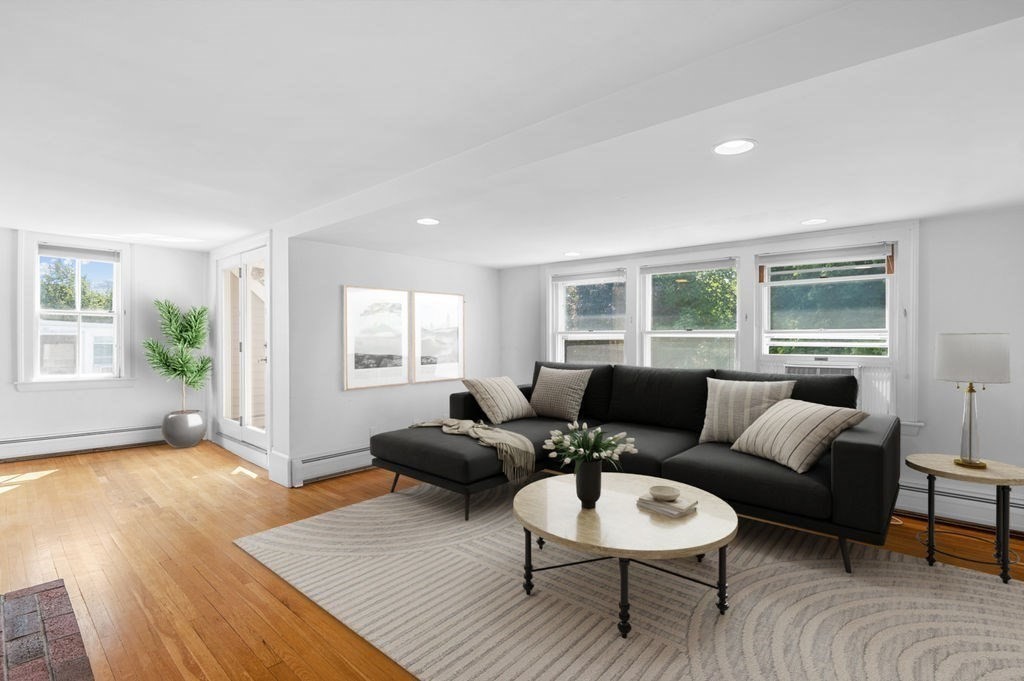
(40, 636)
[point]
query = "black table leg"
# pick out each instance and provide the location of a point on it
(624, 626)
(1003, 531)
(931, 520)
(723, 586)
(999, 523)
(528, 564)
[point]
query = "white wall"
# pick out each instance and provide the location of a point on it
(522, 322)
(139, 405)
(326, 419)
(969, 279)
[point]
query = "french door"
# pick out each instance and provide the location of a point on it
(244, 331)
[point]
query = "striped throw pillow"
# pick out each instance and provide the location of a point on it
(500, 398)
(734, 405)
(796, 433)
(558, 393)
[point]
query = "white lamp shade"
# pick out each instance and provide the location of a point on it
(973, 357)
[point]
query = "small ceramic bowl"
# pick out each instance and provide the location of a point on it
(664, 493)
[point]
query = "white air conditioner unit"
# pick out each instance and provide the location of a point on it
(821, 369)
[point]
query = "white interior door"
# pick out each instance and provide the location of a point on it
(244, 331)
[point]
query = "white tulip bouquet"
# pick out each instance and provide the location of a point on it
(583, 444)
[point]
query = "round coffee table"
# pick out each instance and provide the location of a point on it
(616, 528)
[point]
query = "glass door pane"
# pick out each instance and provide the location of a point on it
(232, 347)
(256, 333)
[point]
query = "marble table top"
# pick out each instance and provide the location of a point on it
(616, 527)
(941, 465)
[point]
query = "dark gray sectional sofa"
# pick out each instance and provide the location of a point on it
(850, 493)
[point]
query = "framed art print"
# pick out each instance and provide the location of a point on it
(376, 337)
(438, 337)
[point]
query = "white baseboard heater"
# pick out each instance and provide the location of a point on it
(320, 466)
(34, 446)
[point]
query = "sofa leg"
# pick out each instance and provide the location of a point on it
(394, 482)
(467, 506)
(844, 549)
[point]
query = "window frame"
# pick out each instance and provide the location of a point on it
(560, 336)
(831, 337)
(29, 314)
(646, 333)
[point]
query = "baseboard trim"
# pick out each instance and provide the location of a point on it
(254, 455)
(38, 446)
(957, 505)
(316, 467)
(951, 494)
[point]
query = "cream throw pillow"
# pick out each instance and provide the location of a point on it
(558, 393)
(734, 405)
(796, 433)
(500, 398)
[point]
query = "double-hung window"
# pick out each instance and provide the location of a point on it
(76, 314)
(828, 304)
(590, 318)
(689, 316)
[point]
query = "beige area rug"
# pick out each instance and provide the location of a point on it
(443, 598)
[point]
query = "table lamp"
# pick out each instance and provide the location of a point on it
(969, 358)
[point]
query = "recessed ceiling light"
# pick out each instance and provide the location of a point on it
(733, 147)
(814, 221)
(571, 254)
(429, 222)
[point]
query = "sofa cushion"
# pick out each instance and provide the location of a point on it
(558, 393)
(537, 430)
(598, 392)
(456, 457)
(734, 405)
(837, 391)
(499, 398)
(734, 476)
(654, 444)
(673, 398)
(796, 433)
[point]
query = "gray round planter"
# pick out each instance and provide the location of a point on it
(184, 428)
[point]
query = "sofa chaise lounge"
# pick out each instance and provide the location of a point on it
(849, 493)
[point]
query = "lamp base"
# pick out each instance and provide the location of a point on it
(970, 463)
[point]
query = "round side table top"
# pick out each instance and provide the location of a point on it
(550, 509)
(941, 465)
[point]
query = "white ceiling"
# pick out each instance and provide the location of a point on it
(528, 128)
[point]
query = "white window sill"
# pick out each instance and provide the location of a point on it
(79, 384)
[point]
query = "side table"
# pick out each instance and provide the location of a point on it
(1002, 475)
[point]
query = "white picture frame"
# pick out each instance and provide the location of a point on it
(439, 338)
(376, 337)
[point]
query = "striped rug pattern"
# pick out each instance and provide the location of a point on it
(443, 598)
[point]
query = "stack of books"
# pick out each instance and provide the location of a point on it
(679, 508)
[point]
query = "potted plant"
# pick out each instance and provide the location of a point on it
(589, 449)
(186, 333)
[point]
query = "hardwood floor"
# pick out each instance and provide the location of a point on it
(143, 539)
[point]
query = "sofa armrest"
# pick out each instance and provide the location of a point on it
(866, 474)
(464, 406)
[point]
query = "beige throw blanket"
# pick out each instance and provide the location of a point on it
(515, 451)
